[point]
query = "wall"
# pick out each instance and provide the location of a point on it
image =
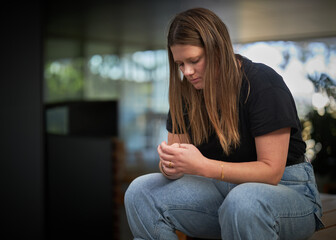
(21, 148)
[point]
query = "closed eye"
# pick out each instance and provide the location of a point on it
(180, 64)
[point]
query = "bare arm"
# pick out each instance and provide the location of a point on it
(272, 150)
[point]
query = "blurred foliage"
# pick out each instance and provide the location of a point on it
(323, 134)
(323, 83)
(319, 130)
(64, 80)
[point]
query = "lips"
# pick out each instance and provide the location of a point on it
(195, 80)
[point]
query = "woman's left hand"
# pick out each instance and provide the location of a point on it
(180, 158)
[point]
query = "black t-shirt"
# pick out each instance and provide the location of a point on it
(269, 106)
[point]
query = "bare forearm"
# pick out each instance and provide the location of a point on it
(256, 171)
(272, 152)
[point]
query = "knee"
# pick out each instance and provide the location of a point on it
(246, 201)
(134, 190)
(139, 189)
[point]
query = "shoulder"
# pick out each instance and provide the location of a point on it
(259, 78)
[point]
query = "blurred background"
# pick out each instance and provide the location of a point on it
(84, 98)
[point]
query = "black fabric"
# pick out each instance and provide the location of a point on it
(266, 105)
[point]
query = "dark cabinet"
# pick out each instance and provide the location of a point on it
(81, 169)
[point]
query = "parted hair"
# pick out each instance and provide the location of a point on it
(215, 107)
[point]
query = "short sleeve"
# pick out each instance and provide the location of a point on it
(270, 110)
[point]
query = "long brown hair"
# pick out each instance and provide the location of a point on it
(214, 108)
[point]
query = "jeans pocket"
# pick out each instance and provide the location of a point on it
(297, 178)
(300, 177)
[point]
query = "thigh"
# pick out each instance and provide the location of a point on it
(290, 209)
(287, 212)
(191, 204)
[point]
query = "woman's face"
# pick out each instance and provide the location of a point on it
(191, 61)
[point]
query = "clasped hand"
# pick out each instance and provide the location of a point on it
(178, 159)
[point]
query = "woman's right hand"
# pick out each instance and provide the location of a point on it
(163, 168)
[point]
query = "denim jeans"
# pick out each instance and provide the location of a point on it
(208, 208)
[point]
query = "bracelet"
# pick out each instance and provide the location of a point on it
(222, 172)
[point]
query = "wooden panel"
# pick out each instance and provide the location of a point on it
(329, 218)
(329, 204)
(181, 235)
(325, 234)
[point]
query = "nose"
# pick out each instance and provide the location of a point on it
(188, 70)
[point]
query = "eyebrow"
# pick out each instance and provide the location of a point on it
(189, 58)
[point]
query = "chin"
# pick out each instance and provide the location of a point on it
(198, 86)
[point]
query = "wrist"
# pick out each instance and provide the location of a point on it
(212, 169)
(203, 167)
(222, 171)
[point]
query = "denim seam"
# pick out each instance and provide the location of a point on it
(296, 214)
(188, 209)
(175, 207)
(136, 209)
(276, 225)
(157, 230)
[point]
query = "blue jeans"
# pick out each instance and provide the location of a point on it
(207, 208)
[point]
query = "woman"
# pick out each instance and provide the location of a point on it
(234, 165)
